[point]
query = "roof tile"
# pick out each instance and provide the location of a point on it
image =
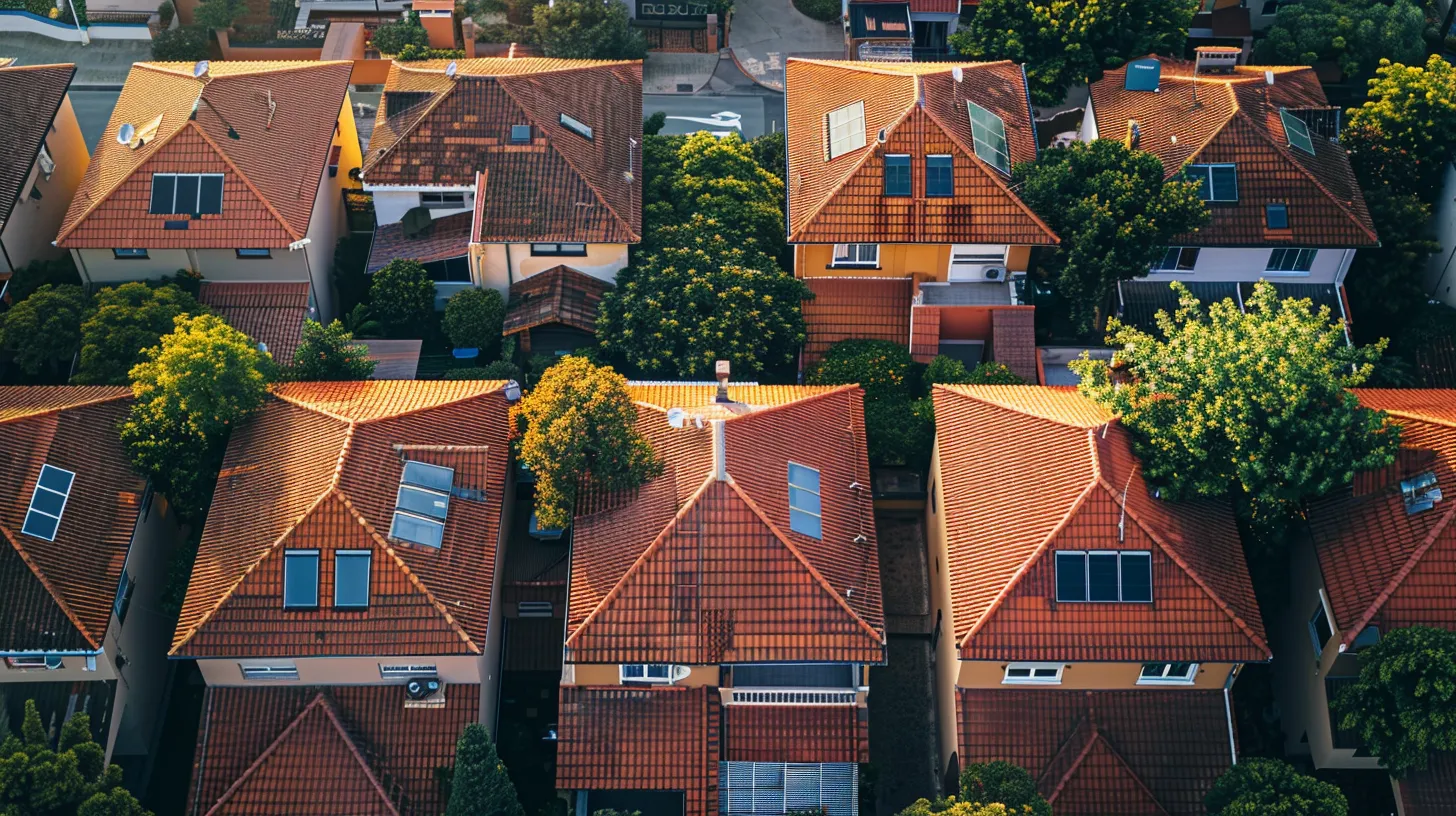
(30, 96)
(849, 308)
(765, 733)
(556, 295)
(269, 313)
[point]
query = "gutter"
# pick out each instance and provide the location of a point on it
(1228, 715)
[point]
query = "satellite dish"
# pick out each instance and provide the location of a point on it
(957, 74)
(675, 417)
(125, 133)
(201, 68)
(451, 69)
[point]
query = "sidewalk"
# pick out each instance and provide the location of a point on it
(103, 62)
(766, 32)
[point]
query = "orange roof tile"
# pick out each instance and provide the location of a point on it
(1430, 792)
(269, 313)
(766, 733)
(1013, 341)
(557, 295)
(849, 308)
(922, 111)
(1236, 119)
(267, 203)
(318, 467)
(700, 566)
(1065, 479)
(57, 595)
(30, 96)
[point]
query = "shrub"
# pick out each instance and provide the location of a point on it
(166, 11)
(954, 807)
(402, 298)
(826, 10)
(329, 353)
(1005, 783)
(184, 44)
(412, 52)
(34, 275)
(473, 319)
(1258, 786)
(127, 319)
(44, 330)
(74, 778)
(587, 29)
(945, 370)
(393, 37)
(882, 368)
(1403, 704)
(480, 784)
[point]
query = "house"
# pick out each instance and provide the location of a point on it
(1087, 629)
(492, 170)
(1283, 201)
(722, 618)
(900, 209)
(44, 158)
(900, 30)
(554, 312)
(1379, 555)
(342, 605)
(234, 171)
(84, 553)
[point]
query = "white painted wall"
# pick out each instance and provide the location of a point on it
(1441, 269)
(1247, 264)
(99, 266)
(493, 269)
(340, 671)
(391, 203)
(33, 224)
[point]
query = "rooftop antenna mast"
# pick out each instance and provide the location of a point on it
(1122, 519)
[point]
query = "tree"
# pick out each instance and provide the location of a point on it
(1356, 34)
(660, 169)
(697, 298)
(182, 44)
(73, 779)
(402, 297)
(952, 806)
(721, 179)
(587, 29)
(945, 370)
(329, 353)
(127, 319)
(770, 151)
(899, 429)
(36, 274)
(393, 38)
(1410, 111)
(1254, 405)
(473, 319)
(1388, 281)
(43, 331)
(1005, 783)
(578, 425)
(1114, 213)
(219, 13)
(1271, 787)
(1403, 704)
(480, 785)
(1070, 42)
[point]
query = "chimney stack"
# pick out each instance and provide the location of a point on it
(723, 369)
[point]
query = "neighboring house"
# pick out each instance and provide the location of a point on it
(492, 170)
(1087, 630)
(233, 170)
(1283, 201)
(900, 209)
(84, 553)
(900, 30)
(272, 314)
(43, 161)
(721, 619)
(554, 312)
(1379, 555)
(346, 579)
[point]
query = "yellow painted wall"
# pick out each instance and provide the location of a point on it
(896, 260)
(989, 673)
(610, 674)
(946, 659)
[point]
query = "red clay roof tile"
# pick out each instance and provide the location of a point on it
(849, 308)
(557, 295)
(1013, 341)
(1430, 792)
(809, 733)
(269, 313)
(448, 237)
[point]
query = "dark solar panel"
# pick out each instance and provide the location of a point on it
(1143, 75)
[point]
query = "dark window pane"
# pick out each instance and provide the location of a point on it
(1102, 576)
(1321, 625)
(211, 195)
(520, 134)
(186, 195)
(48, 502)
(300, 579)
(1225, 183)
(56, 479)
(163, 186)
(1137, 577)
(351, 579)
(1071, 576)
(1276, 216)
(1187, 259)
(939, 176)
(897, 175)
(40, 526)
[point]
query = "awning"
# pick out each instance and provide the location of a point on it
(879, 21)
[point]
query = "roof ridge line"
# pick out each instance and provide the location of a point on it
(1412, 415)
(1398, 579)
(291, 66)
(122, 394)
(500, 385)
(1213, 132)
(1099, 737)
(287, 227)
(46, 584)
(859, 165)
(769, 409)
(1081, 755)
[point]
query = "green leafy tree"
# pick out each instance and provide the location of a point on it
(771, 152)
(183, 44)
(1403, 704)
(1005, 783)
(1251, 404)
(219, 13)
(652, 125)
(329, 353)
(721, 179)
(1114, 213)
(497, 370)
(579, 425)
(1388, 281)
(1070, 42)
(953, 806)
(127, 319)
(393, 38)
(1356, 34)
(587, 29)
(660, 170)
(44, 330)
(702, 297)
(361, 324)
(945, 370)
(473, 319)
(72, 779)
(1271, 787)
(899, 428)
(480, 785)
(34, 275)
(402, 298)
(1410, 111)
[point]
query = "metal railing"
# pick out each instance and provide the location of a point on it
(806, 697)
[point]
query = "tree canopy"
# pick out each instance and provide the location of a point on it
(44, 330)
(945, 370)
(1402, 706)
(1356, 34)
(899, 426)
(125, 320)
(329, 353)
(402, 298)
(1251, 404)
(720, 178)
(1114, 213)
(1271, 787)
(1410, 111)
(587, 29)
(480, 785)
(72, 780)
(473, 319)
(957, 806)
(1005, 783)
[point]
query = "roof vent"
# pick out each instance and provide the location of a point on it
(1420, 493)
(882, 136)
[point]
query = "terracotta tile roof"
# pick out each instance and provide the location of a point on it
(1099, 752)
(848, 308)
(1382, 565)
(318, 467)
(1430, 792)
(629, 738)
(693, 568)
(924, 333)
(57, 595)
(1065, 475)
(269, 313)
(1013, 341)
(30, 96)
(763, 733)
(922, 110)
(449, 237)
(557, 295)
(1237, 120)
(267, 203)
(921, 6)
(343, 750)
(431, 130)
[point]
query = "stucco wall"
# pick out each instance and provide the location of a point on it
(341, 671)
(329, 222)
(499, 265)
(1247, 264)
(946, 660)
(989, 674)
(610, 674)
(32, 224)
(390, 204)
(896, 260)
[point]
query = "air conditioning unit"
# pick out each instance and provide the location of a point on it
(996, 274)
(424, 692)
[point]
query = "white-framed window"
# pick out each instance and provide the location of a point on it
(1104, 576)
(34, 662)
(1046, 673)
(652, 672)
(856, 255)
(269, 671)
(1153, 674)
(1290, 260)
(1177, 259)
(405, 671)
(844, 129)
(300, 579)
(442, 201)
(804, 504)
(1320, 630)
(559, 250)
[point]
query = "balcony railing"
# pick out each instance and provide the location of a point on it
(793, 697)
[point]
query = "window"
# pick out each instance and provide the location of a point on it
(1220, 182)
(856, 255)
(939, 176)
(402, 671)
(422, 503)
(34, 662)
(646, 673)
(254, 253)
(1276, 216)
(1420, 492)
(123, 596)
(186, 193)
(845, 130)
(1290, 260)
(1049, 673)
(334, 153)
(564, 250)
(279, 671)
(1167, 673)
(520, 134)
(442, 201)
(897, 175)
(351, 579)
(988, 133)
(449, 270)
(127, 254)
(1320, 630)
(300, 579)
(48, 502)
(576, 126)
(1104, 576)
(804, 507)
(1178, 259)
(1296, 132)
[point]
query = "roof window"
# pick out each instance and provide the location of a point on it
(520, 134)
(897, 174)
(804, 505)
(939, 176)
(1296, 132)
(300, 579)
(1420, 493)
(989, 134)
(1104, 576)
(1219, 182)
(189, 193)
(577, 126)
(846, 129)
(422, 503)
(1276, 216)
(351, 579)
(48, 502)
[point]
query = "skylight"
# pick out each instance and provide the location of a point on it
(48, 502)
(422, 504)
(520, 134)
(1276, 216)
(186, 193)
(804, 506)
(576, 126)
(1420, 492)
(1296, 131)
(846, 129)
(351, 578)
(989, 134)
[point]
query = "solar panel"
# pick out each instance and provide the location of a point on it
(48, 502)
(989, 135)
(417, 530)
(433, 477)
(423, 502)
(1143, 75)
(1296, 131)
(845, 129)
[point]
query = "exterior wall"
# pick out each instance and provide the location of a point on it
(341, 671)
(391, 203)
(1089, 123)
(490, 657)
(497, 266)
(930, 261)
(943, 655)
(1247, 264)
(989, 674)
(1441, 269)
(72, 670)
(329, 222)
(33, 225)
(243, 52)
(609, 674)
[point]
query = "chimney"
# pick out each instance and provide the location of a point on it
(723, 368)
(467, 33)
(1134, 135)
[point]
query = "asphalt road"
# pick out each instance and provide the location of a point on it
(93, 111)
(748, 115)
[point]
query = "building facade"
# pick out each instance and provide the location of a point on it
(44, 160)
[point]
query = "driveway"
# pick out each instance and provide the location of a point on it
(748, 115)
(766, 32)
